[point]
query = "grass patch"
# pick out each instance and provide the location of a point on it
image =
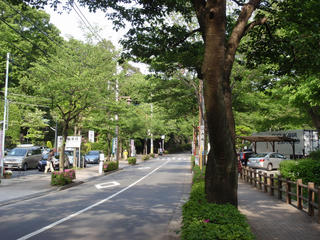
(203, 220)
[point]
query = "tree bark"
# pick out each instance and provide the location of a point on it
(314, 112)
(64, 139)
(221, 177)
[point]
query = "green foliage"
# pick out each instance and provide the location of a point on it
(49, 144)
(315, 155)
(178, 148)
(109, 166)
(193, 161)
(203, 220)
(306, 169)
(145, 157)
(152, 155)
(132, 160)
(62, 178)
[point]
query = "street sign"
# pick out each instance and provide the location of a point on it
(91, 136)
(72, 141)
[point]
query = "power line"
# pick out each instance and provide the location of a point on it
(85, 21)
(29, 55)
(27, 39)
(32, 22)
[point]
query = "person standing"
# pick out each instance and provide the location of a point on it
(49, 162)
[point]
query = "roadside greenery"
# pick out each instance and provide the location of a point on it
(203, 220)
(306, 169)
(109, 166)
(61, 178)
(132, 160)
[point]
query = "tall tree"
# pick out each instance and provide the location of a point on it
(219, 52)
(75, 81)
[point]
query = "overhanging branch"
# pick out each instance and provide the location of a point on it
(185, 37)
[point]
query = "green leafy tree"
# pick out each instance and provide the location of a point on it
(219, 44)
(74, 83)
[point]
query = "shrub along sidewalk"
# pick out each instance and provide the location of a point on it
(203, 220)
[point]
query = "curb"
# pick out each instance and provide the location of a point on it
(56, 189)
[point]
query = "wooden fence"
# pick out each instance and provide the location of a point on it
(307, 196)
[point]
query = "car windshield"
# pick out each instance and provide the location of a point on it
(259, 155)
(69, 153)
(93, 153)
(17, 152)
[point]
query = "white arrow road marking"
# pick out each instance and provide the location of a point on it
(107, 185)
(89, 207)
(144, 168)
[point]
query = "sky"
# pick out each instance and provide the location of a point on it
(69, 23)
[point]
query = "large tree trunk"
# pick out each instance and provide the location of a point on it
(314, 112)
(64, 139)
(221, 177)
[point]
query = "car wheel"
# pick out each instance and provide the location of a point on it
(25, 167)
(269, 167)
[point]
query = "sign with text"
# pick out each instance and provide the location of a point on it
(72, 141)
(91, 136)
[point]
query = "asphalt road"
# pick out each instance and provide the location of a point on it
(138, 202)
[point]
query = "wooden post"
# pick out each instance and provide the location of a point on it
(279, 187)
(260, 180)
(288, 190)
(251, 176)
(255, 177)
(271, 185)
(265, 180)
(318, 204)
(299, 194)
(310, 198)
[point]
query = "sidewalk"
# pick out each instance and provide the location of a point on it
(271, 218)
(30, 186)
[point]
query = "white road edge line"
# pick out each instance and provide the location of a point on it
(88, 208)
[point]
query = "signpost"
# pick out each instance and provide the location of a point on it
(91, 136)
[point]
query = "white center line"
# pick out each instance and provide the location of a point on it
(89, 207)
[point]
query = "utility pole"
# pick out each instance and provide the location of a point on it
(151, 135)
(201, 127)
(4, 115)
(117, 118)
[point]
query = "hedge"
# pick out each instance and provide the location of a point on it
(203, 220)
(306, 169)
(110, 166)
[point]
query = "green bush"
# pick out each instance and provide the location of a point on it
(62, 178)
(203, 220)
(286, 169)
(306, 169)
(109, 166)
(132, 160)
(145, 157)
(152, 155)
(315, 155)
(193, 161)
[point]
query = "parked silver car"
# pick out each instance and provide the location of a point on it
(269, 161)
(23, 158)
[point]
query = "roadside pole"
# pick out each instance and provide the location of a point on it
(151, 135)
(117, 119)
(4, 115)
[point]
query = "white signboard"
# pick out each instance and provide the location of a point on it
(72, 141)
(91, 136)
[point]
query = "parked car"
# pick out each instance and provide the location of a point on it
(244, 156)
(92, 157)
(43, 162)
(70, 154)
(269, 161)
(23, 158)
